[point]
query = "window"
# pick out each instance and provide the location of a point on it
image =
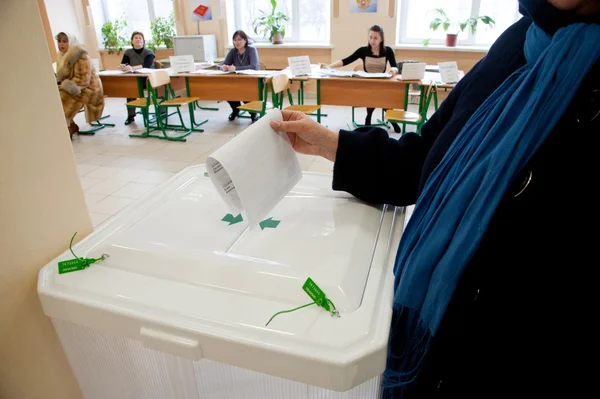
(309, 19)
(138, 13)
(414, 17)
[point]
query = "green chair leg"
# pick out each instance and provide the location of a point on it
(96, 126)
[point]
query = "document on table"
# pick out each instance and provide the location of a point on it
(255, 170)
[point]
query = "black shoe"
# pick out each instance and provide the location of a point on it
(233, 115)
(396, 127)
(129, 119)
(254, 117)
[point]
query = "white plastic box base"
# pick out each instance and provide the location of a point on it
(108, 366)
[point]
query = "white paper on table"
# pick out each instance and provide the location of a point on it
(182, 63)
(210, 72)
(372, 75)
(254, 72)
(255, 170)
(300, 66)
(144, 70)
(449, 71)
(336, 73)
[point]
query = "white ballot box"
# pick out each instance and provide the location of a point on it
(179, 307)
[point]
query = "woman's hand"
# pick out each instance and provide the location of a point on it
(307, 136)
(394, 71)
(323, 66)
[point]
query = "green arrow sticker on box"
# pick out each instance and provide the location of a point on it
(229, 218)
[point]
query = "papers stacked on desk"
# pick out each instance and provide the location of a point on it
(354, 74)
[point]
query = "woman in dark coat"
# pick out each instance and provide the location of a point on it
(519, 321)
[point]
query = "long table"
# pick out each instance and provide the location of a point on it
(389, 93)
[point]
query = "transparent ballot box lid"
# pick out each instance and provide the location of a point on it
(186, 277)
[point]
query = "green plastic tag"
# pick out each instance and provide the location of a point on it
(71, 265)
(316, 294)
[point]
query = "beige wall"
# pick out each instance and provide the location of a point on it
(351, 30)
(72, 16)
(41, 205)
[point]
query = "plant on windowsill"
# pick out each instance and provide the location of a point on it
(271, 25)
(114, 38)
(454, 27)
(163, 31)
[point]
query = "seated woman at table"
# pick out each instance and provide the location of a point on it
(79, 85)
(240, 57)
(375, 57)
(137, 57)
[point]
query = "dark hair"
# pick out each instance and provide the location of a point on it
(137, 33)
(243, 35)
(378, 29)
(62, 35)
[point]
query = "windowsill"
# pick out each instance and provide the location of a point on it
(128, 47)
(441, 47)
(289, 45)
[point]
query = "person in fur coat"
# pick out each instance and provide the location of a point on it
(79, 85)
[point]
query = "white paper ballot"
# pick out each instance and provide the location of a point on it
(300, 66)
(449, 72)
(255, 170)
(182, 63)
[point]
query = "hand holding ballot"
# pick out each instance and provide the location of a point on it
(306, 135)
(255, 170)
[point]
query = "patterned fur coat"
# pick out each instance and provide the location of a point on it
(79, 85)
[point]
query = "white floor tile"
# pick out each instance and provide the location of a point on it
(84, 168)
(87, 182)
(133, 190)
(169, 166)
(110, 205)
(125, 162)
(129, 174)
(103, 172)
(107, 186)
(93, 198)
(102, 159)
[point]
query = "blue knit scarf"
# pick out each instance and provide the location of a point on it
(461, 195)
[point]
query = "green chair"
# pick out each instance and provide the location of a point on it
(156, 80)
(414, 118)
(96, 125)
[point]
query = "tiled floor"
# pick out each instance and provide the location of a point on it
(115, 169)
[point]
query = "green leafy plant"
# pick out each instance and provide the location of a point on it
(163, 31)
(268, 25)
(454, 27)
(114, 37)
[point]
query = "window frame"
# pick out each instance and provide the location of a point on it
(106, 14)
(294, 22)
(401, 26)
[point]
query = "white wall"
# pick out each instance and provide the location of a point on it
(41, 205)
(69, 16)
(350, 31)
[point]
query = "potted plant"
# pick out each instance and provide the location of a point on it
(453, 28)
(113, 35)
(163, 31)
(271, 25)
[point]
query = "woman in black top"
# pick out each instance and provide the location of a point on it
(375, 57)
(137, 57)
